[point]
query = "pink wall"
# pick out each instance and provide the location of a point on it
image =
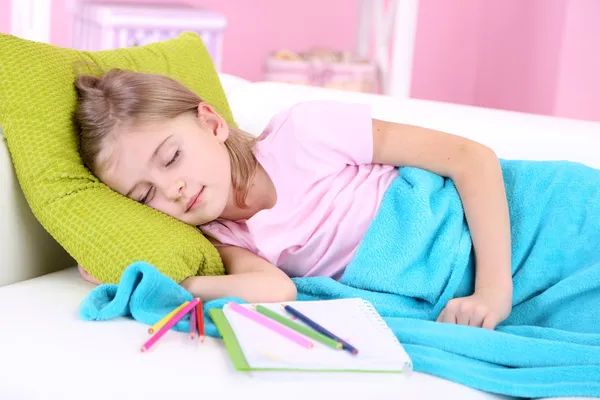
(60, 34)
(5, 16)
(446, 49)
(536, 56)
(519, 46)
(578, 83)
(493, 54)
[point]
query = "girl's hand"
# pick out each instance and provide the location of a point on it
(486, 308)
(87, 277)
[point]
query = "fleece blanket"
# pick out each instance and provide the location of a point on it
(417, 255)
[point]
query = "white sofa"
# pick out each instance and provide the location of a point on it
(47, 352)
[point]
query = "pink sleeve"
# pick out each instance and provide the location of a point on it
(334, 133)
(229, 233)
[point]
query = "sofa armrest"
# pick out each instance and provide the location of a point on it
(26, 249)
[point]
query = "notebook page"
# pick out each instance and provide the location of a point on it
(351, 319)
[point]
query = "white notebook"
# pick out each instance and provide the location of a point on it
(252, 346)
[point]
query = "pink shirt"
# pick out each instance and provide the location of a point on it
(318, 155)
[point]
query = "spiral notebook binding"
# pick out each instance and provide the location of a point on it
(376, 317)
(384, 329)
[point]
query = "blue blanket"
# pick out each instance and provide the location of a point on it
(417, 255)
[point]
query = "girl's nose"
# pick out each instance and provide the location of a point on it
(176, 190)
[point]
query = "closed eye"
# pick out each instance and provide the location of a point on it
(175, 157)
(147, 197)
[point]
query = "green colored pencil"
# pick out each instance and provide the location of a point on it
(298, 328)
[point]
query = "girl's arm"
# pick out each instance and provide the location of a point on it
(476, 173)
(249, 277)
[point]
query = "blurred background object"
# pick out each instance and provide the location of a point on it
(322, 67)
(101, 26)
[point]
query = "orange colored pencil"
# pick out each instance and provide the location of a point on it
(200, 320)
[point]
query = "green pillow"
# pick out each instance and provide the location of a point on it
(103, 230)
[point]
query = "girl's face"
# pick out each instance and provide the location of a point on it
(180, 167)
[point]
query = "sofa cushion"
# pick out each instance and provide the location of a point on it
(103, 230)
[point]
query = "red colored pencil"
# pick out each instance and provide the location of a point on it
(200, 320)
(193, 323)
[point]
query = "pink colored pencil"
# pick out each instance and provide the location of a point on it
(193, 323)
(200, 320)
(269, 323)
(146, 346)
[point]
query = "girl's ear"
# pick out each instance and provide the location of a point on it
(209, 118)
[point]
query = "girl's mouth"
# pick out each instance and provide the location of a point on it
(195, 200)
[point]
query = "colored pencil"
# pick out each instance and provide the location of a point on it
(167, 317)
(270, 324)
(200, 320)
(193, 325)
(299, 328)
(146, 346)
(345, 345)
(269, 355)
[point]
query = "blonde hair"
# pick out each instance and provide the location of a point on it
(120, 97)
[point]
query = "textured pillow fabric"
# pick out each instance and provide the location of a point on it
(103, 230)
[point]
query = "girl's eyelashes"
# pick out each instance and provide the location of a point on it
(150, 192)
(174, 158)
(147, 197)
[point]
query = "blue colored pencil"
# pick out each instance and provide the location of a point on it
(346, 346)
